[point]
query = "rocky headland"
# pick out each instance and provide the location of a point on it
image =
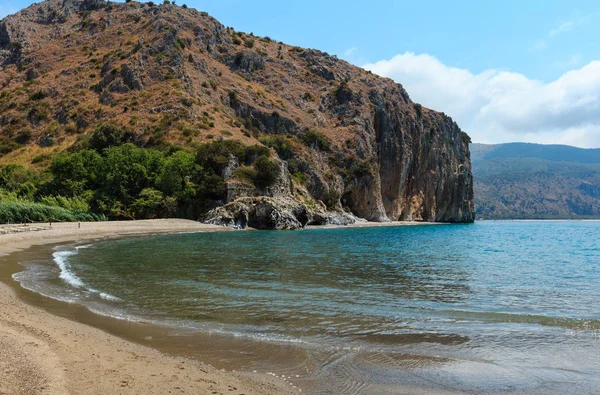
(342, 143)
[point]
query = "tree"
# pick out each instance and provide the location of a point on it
(73, 174)
(153, 204)
(107, 135)
(216, 155)
(266, 171)
(177, 174)
(128, 170)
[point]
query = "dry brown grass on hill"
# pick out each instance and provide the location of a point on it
(176, 76)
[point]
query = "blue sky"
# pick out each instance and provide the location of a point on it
(471, 59)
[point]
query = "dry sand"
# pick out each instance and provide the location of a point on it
(41, 353)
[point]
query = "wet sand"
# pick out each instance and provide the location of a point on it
(42, 353)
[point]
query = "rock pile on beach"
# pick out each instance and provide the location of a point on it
(8, 229)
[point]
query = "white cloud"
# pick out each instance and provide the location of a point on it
(570, 24)
(349, 52)
(498, 106)
(562, 28)
(538, 45)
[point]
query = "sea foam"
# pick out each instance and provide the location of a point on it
(66, 274)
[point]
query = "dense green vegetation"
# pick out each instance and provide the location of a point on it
(520, 180)
(110, 177)
(16, 212)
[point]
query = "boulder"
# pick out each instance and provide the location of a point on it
(266, 213)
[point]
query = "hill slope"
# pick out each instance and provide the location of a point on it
(174, 78)
(519, 180)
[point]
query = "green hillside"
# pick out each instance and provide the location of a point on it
(520, 180)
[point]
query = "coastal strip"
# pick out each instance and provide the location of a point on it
(45, 354)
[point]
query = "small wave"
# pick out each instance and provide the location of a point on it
(67, 274)
(109, 297)
(262, 337)
(22, 278)
(61, 260)
(114, 313)
(506, 317)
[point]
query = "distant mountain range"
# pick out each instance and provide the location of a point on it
(534, 181)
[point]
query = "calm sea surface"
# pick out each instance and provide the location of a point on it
(494, 306)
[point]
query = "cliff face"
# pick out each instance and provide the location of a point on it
(344, 138)
(423, 168)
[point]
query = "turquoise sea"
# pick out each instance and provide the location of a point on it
(508, 306)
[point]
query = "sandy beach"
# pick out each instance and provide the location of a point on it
(41, 353)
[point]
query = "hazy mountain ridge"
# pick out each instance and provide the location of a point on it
(521, 180)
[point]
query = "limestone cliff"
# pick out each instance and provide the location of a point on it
(346, 140)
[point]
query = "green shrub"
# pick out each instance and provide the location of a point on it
(216, 155)
(73, 174)
(361, 169)
(190, 132)
(15, 212)
(39, 95)
(23, 136)
(7, 145)
(17, 179)
(245, 173)
(107, 135)
(418, 110)
(8, 197)
(343, 93)
(266, 172)
(316, 140)
(233, 98)
(331, 198)
(39, 112)
(151, 203)
(253, 152)
(40, 159)
(69, 203)
(186, 101)
(282, 145)
(301, 177)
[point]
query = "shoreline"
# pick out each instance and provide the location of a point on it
(56, 347)
(43, 353)
(50, 353)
